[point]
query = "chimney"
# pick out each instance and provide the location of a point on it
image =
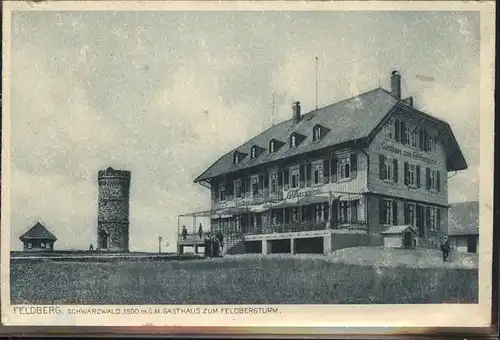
(396, 85)
(296, 112)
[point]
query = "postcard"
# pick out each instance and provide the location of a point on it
(247, 164)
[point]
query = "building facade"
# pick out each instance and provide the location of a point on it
(38, 238)
(337, 177)
(113, 210)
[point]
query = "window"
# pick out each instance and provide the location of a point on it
(406, 134)
(293, 142)
(222, 192)
(390, 132)
(255, 186)
(42, 245)
(253, 152)
(295, 177)
(415, 139)
(319, 213)
(433, 180)
(237, 188)
(344, 212)
(273, 181)
(432, 218)
(295, 214)
(388, 169)
(317, 173)
(236, 158)
(410, 214)
(317, 133)
(412, 175)
(344, 167)
(271, 146)
(29, 245)
(386, 212)
(429, 143)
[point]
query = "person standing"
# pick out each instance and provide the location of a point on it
(445, 248)
(200, 231)
(184, 232)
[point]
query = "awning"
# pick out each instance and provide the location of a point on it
(223, 213)
(313, 200)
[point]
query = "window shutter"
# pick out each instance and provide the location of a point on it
(333, 169)
(427, 178)
(280, 178)
(354, 165)
(438, 219)
(418, 175)
(406, 213)
(266, 181)
(407, 174)
(382, 212)
(229, 191)
(427, 218)
(286, 178)
(326, 171)
(308, 174)
(398, 130)
(404, 139)
(261, 182)
(395, 168)
(302, 175)
(381, 166)
(394, 212)
(422, 139)
(438, 181)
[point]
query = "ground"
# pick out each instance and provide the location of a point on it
(348, 276)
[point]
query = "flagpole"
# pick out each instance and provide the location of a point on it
(316, 83)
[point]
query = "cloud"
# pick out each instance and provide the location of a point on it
(166, 94)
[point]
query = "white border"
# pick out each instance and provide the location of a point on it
(439, 315)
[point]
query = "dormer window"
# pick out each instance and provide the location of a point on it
(253, 152)
(317, 133)
(236, 158)
(293, 141)
(272, 146)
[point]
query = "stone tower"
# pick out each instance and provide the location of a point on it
(113, 210)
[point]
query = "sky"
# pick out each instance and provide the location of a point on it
(165, 94)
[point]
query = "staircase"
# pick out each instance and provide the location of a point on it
(234, 244)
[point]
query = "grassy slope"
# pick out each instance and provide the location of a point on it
(237, 280)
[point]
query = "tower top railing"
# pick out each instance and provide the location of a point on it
(110, 172)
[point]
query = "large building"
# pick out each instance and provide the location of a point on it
(337, 177)
(113, 210)
(38, 238)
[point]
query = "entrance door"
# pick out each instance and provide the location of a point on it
(419, 220)
(103, 238)
(408, 239)
(471, 244)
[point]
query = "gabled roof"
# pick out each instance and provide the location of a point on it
(38, 231)
(347, 121)
(398, 229)
(463, 218)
